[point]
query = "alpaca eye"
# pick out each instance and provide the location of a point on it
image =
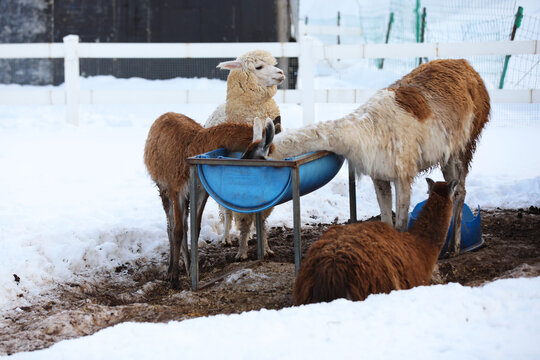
(259, 67)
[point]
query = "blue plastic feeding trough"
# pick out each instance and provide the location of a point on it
(251, 186)
(471, 231)
(250, 189)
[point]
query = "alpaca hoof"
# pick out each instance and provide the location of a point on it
(173, 282)
(226, 242)
(268, 252)
(241, 256)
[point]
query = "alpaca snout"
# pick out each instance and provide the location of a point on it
(279, 78)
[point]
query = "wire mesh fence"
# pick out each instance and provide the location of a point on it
(445, 21)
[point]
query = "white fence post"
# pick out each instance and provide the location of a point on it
(71, 78)
(306, 63)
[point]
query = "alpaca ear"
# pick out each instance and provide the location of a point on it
(230, 65)
(277, 124)
(257, 129)
(430, 184)
(269, 131)
(260, 146)
(452, 187)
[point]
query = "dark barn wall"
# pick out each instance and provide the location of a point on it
(166, 20)
(131, 21)
(20, 22)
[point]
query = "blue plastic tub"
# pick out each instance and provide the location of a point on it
(471, 230)
(249, 189)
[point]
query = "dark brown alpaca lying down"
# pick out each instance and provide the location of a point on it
(356, 260)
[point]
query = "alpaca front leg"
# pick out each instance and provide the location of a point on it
(267, 250)
(403, 200)
(454, 245)
(384, 198)
(244, 221)
(456, 169)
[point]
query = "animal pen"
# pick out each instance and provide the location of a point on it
(307, 50)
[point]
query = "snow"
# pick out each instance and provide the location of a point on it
(77, 201)
(495, 321)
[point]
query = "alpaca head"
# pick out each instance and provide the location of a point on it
(262, 139)
(262, 145)
(444, 189)
(277, 124)
(260, 63)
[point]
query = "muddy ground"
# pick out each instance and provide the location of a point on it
(138, 292)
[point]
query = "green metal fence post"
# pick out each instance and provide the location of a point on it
(338, 25)
(388, 29)
(517, 24)
(422, 31)
(416, 11)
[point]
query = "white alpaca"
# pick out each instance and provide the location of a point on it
(171, 140)
(432, 116)
(251, 84)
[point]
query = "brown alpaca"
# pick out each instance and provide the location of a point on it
(432, 116)
(173, 138)
(356, 260)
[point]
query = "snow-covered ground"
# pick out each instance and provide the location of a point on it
(496, 321)
(77, 200)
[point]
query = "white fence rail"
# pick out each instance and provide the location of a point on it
(308, 52)
(305, 29)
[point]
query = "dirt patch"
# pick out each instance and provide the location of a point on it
(138, 292)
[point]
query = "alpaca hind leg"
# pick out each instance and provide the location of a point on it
(201, 204)
(226, 217)
(178, 233)
(403, 201)
(455, 169)
(244, 223)
(166, 202)
(384, 198)
(184, 206)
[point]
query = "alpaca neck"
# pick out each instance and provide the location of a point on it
(242, 87)
(232, 136)
(434, 220)
(327, 135)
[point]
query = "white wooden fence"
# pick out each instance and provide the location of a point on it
(308, 52)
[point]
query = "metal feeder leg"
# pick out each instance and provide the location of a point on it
(352, 193)
(296, 219)
(193, 227)
(259, 229)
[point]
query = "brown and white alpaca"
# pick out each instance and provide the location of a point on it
(355, 260)
(432, 116)
(251, 85)
(171, 140)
